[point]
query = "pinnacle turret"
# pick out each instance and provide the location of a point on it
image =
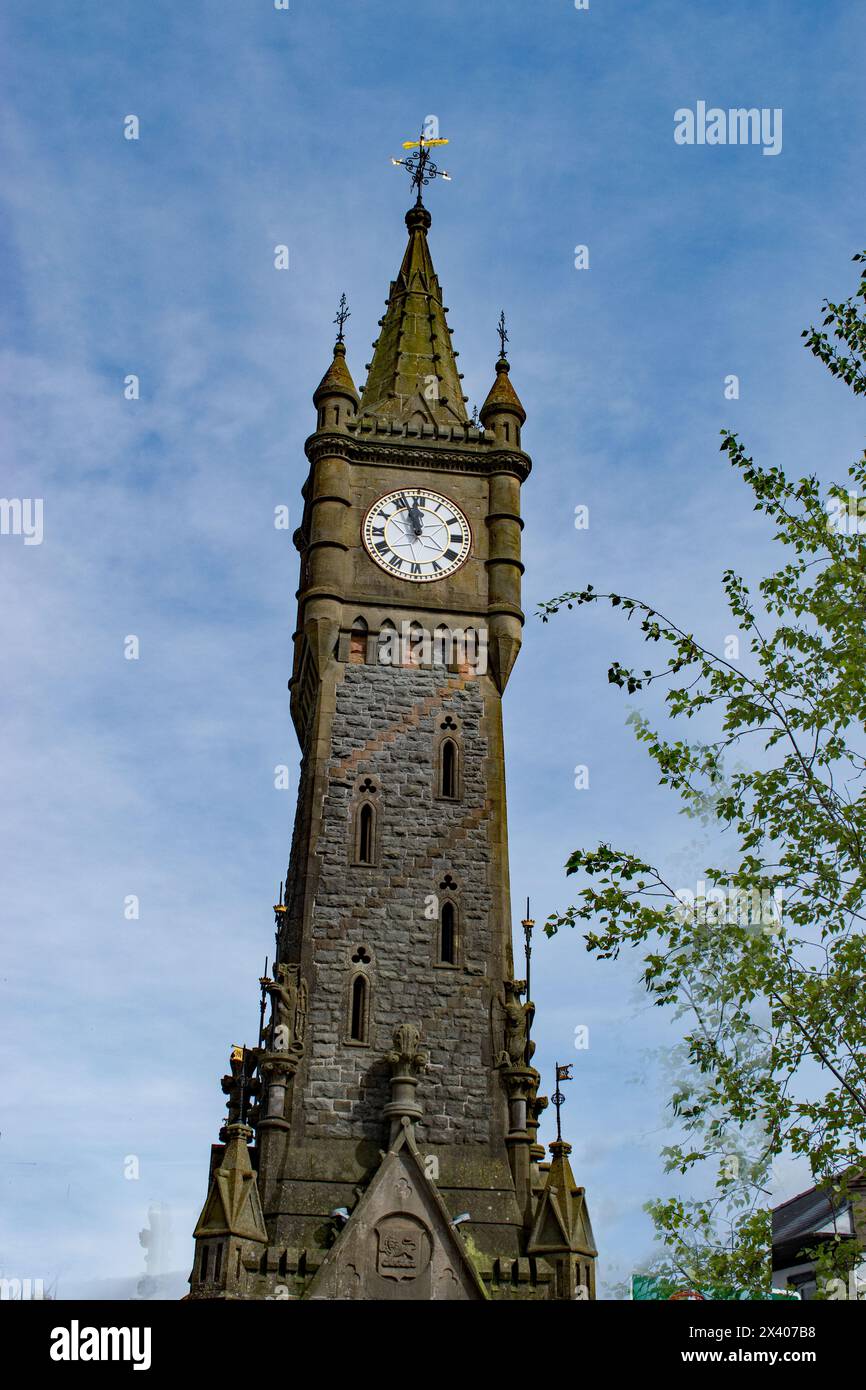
(502, 396)
(562, 1233)
(502, 411)
(335, 397)
(230, 1234)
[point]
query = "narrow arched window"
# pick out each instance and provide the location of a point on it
(448, 934)
(417, 651)
(442, 646)
(358, 642)
(448, 786)
(471, 659)
(204, 1259)
(389, 645)
(365, 834)
(358, 1018)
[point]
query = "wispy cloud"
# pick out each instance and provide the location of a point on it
(155, 778)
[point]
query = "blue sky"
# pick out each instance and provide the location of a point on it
(155, 257)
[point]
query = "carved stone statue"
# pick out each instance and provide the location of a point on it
(288, 1009)
(518, 1021)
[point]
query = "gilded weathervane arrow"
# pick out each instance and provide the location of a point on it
(419, 164)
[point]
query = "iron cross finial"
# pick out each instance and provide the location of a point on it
(342, 315)
(503, 335)
(419, 164)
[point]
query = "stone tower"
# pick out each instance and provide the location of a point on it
(391, 1089)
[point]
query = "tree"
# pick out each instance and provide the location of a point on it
(769, 962)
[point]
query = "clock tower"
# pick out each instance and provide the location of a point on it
(381, 1139)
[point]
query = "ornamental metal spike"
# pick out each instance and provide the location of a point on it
(503, 339)
(563, 1073)
(342, 315)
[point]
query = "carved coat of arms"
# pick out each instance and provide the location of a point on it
(403, 1248)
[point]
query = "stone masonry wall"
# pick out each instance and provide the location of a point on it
(386, 727)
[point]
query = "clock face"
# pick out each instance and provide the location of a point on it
(417, 535)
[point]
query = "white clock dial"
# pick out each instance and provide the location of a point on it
(417, 535)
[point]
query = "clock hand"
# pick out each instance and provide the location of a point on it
(416, 518)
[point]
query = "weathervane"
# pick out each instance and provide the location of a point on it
(563, 1073)
(420, 165)
(503, 339)
(342, 315)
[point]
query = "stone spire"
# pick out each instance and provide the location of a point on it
(414, 368)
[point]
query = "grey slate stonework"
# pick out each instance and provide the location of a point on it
(381, 908)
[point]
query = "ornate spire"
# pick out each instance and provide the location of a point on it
(414, 369)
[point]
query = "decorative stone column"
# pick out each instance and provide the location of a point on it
(521, 1086)
(277, 1069)
(535, 1107)
(283, 1049)
(407, 1062)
